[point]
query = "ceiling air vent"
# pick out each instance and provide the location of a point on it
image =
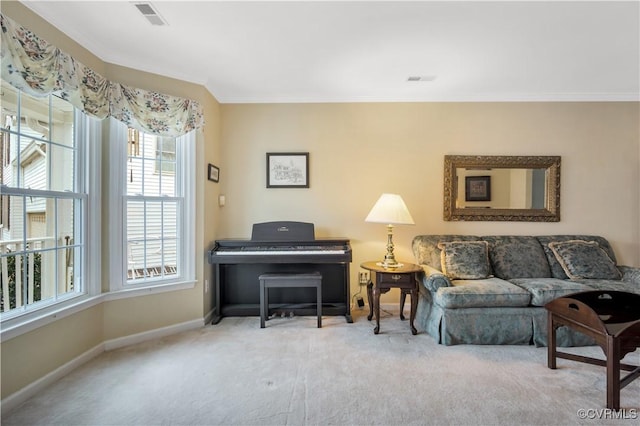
(421, 78)
(150, 13)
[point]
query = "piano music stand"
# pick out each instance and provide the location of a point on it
(612, 318)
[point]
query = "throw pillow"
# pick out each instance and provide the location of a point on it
(465, 260)
(584, 259)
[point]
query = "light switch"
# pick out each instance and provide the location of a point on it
(221, 200)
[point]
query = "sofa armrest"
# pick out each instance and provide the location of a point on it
(433, 279)
(630, 274)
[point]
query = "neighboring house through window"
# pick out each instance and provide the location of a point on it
(156, 203)
(165, 155)
(50, 168)
(45, 201)
(51, 186)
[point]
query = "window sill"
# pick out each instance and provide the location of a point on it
(14, 327)
(148, 289)
(27, 322)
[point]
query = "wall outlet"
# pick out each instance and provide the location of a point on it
(363, 278)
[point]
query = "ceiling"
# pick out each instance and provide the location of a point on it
(362, 51)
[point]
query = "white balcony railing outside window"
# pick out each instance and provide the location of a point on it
(21, 266)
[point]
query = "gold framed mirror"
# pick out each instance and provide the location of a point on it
(502, 188)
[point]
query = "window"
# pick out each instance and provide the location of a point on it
(5, 155)
(155, 198)
(166, 155)
(44, 202)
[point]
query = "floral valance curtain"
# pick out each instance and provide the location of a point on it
(31, 64)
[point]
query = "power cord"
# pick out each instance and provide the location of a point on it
(364, 281)
(356, 299)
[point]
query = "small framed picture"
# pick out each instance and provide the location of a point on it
(477, 188)
(213, 173)
(287, 170)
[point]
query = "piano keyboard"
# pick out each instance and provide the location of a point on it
(276, 252)
(279, 247)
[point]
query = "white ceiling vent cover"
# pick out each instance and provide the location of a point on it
(421, 78)
(150, 13)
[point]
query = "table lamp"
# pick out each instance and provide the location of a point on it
(390, 209)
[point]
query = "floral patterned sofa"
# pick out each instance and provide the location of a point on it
(492, 290)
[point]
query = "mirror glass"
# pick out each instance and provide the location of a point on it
(502, 188)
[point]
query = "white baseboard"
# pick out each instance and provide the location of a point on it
(17, 398)
(152, 334)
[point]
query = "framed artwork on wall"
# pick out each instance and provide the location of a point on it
(477, 188)
(287, 170)
(213, 173)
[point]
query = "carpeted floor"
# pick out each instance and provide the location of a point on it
(292, 373)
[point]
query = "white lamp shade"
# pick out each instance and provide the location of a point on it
(390, 209)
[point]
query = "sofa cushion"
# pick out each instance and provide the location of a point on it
(544, 290)
(517, 257)
(556, 269)
(465, 260)
(612, 285)
(630, 273)
(489, 292)
(584, 259)
(426, 251)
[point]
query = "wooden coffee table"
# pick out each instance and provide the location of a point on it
(612, 318)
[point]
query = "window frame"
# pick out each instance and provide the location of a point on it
(118, 264)
(88, 141)
(161, 162)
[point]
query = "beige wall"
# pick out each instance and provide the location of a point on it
(358, 151)
(33, 355)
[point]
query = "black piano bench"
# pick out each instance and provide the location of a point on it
(267, 281)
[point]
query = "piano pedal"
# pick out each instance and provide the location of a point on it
(281, 314)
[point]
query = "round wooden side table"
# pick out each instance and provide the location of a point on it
(383, 279)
